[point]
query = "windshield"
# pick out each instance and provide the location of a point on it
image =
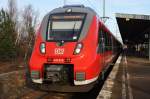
(65, 27)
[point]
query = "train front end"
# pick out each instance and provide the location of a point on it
(64, 56)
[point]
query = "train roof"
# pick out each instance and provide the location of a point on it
(77, 9)
(74, 8)
(90, 13)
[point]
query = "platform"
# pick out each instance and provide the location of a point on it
(131, 81)
(135, 33)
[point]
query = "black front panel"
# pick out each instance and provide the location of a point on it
(58, 74)
(65, 26)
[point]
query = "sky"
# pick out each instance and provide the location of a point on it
(112, 7)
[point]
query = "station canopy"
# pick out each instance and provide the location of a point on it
(134, 28)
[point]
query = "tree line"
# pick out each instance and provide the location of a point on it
(17, 31)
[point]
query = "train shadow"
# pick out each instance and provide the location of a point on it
(95, 91)
(89, 95)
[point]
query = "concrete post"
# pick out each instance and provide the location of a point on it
(103, 8)
(149, 46)
(65, 2)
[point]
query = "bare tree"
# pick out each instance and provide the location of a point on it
(12, 10)
(29, 22)
(13, 14)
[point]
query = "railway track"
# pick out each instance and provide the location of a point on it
(52, 95)
(46, 95)
(10, 67)
(43, 96)
(17, 89)
(26, 93)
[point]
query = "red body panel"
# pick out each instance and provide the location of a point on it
(88, 61)
(71, 61)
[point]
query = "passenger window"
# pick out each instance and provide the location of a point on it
(109, 42)
(106, 41)
(101, 43)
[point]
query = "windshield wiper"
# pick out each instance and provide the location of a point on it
(73, 29)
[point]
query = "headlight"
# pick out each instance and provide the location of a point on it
(42, 48)
(78, 48)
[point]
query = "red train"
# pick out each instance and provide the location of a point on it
(72, 49)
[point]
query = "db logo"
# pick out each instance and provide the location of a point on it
(59, 51)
